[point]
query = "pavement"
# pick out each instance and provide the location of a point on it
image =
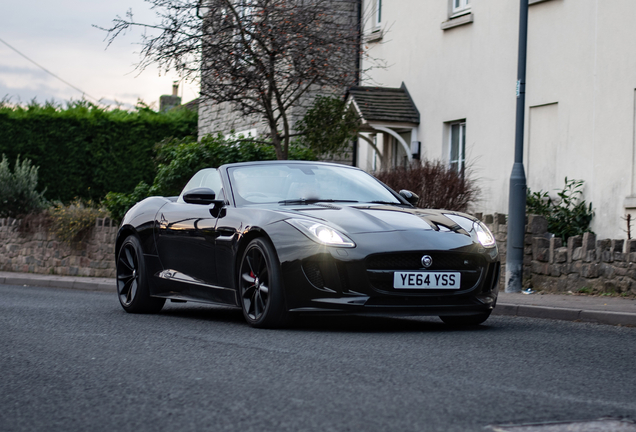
(54, 281)
(566, 307)
(569, 307)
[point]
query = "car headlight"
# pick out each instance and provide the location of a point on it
(484, 235)
(477, 230)
(321, 233)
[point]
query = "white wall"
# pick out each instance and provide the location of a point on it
(580, 94)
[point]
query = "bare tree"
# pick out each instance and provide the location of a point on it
(261, 56)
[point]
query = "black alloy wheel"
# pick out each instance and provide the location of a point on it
(132, 284)
(262, 297)
(465, 320)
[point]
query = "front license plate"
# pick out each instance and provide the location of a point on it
(426, 280)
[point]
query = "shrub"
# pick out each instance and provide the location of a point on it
(71, 223)
(179, 159)
(567, 214)
(438, 185)
(18, 194)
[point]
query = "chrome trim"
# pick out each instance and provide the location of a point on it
(174, 275)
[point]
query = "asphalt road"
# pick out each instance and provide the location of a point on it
(72, 360)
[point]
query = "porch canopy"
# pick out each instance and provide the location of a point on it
(386, 109)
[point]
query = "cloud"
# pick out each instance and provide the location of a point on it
(25, 84)
(60, 37)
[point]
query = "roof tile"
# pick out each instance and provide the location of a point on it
(385, 104)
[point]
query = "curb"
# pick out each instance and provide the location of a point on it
(565, 314)
(502, 309)
(59, 283)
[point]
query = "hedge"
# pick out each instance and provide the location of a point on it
(86, 151)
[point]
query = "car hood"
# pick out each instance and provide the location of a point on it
(357, 219)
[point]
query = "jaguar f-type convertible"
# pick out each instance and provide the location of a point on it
(282, 238)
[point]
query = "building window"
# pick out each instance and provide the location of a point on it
(459, 7)
(377, 14)
(457, 145)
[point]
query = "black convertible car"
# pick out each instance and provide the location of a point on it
(283, 238)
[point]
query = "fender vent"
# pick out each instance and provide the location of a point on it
(313, 273)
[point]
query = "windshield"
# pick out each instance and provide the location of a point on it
(305, 183)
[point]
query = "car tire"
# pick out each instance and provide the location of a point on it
(260, 286)
(132, 280)
(465, 320)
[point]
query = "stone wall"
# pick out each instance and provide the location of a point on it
(221, 118)
(583, 264)
(499, 227)
(41, 252)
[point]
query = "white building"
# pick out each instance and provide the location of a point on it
(458, 61)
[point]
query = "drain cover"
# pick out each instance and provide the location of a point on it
(602, 425)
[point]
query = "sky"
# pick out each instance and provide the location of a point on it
(59, 36)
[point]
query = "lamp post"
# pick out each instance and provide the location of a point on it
(517, 193)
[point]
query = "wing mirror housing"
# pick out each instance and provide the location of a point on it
(409, 196)
(202, 196)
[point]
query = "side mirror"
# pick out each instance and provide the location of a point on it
(409, 196)
(203, 196)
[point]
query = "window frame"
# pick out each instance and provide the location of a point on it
(463, 8)
(459, 163)
(377, 14)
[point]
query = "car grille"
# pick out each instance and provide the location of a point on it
(380, 267)
(412, 261)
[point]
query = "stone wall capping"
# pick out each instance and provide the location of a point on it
(630, 246)
(589, 242)
(572, 244)
(540, 249)
(555, 244)
(537, 225)
(616, 249)
(104, 223)
(604, 244)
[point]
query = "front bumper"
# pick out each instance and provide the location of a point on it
(352, 281)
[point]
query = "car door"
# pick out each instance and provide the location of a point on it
(185, 238)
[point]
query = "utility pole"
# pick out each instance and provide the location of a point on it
(517, 194)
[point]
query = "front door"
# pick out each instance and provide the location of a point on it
(186, 235)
